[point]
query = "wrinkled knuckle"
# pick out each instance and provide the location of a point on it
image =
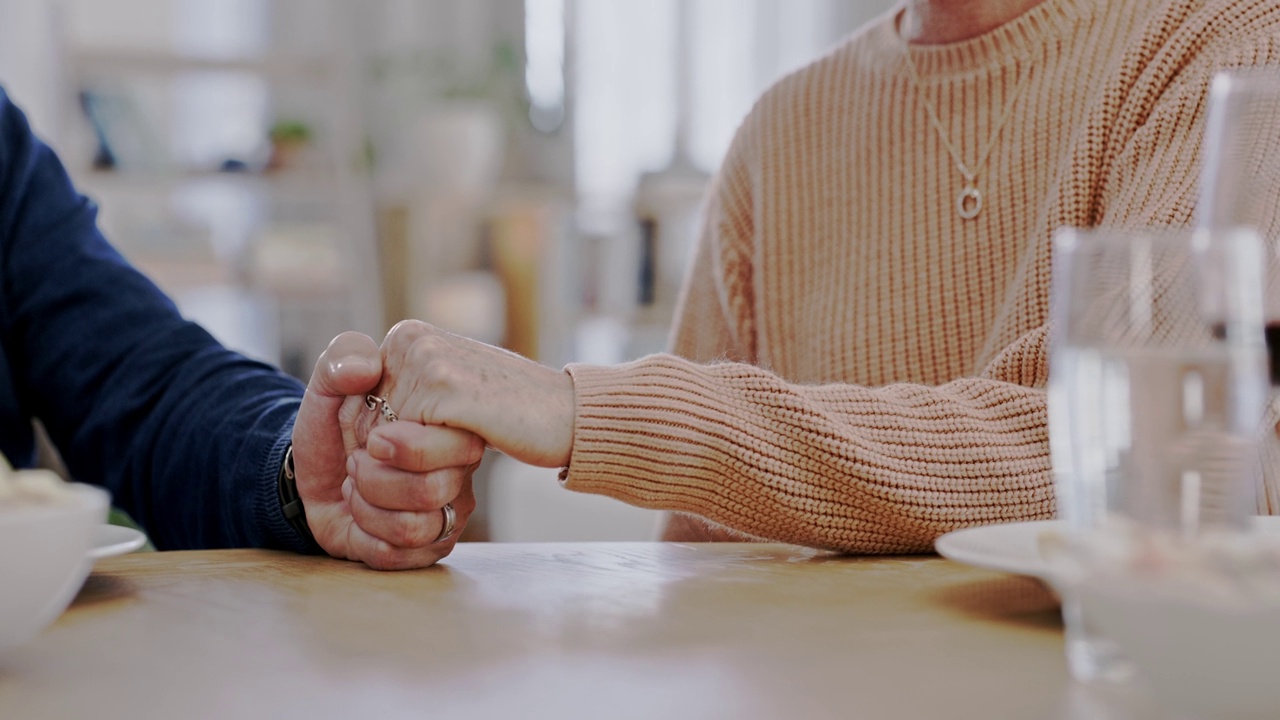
(410, 531)
(426, 349)
(428, 495)
(444, 375)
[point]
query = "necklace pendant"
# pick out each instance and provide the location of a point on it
(969, 202)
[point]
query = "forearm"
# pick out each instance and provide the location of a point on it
(184, 432)
(189, 438)
(204, 472)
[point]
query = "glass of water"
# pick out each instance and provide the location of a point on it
(1240, 188)
(1240, 180)
(1157, 387)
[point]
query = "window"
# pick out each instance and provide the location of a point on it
(627, 82)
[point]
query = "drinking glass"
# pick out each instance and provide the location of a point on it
(1240, 188)
(1240, 181)
(1156, 390)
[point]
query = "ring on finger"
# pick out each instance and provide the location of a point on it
(373, 402)
(450, 522)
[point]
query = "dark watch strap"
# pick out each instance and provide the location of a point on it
(290, 502)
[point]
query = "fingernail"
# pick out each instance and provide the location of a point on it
(351, 465)
(381, 448)
(346, 489)
(352, 363)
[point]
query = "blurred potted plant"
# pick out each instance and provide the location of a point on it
(290, 140)
(442, 122)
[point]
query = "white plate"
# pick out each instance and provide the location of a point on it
(1014, 547)
(111, 540)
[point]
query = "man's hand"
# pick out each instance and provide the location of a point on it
(519, 407)
(391, 518)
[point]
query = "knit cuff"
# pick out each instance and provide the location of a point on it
(645, 433)
(278, 532)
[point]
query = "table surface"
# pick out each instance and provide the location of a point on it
(599, 630)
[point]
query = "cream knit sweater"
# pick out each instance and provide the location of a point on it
(855, 366)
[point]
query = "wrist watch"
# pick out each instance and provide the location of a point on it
(295, 513)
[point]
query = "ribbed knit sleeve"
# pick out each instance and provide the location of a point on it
(842, 467)
(817, 452)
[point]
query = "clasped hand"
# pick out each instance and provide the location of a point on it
(373, 490)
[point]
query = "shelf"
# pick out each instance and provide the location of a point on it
(326, 186)
(305, 185)
(100, 61)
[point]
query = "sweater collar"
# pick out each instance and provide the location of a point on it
(1018, 38)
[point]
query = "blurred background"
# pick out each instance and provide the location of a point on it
(524, 172)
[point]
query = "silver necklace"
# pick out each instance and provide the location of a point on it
(969, 201)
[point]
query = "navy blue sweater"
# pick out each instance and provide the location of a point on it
(187, 435)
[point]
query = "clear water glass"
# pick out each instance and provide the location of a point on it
(1157, 388)
(1240, 188)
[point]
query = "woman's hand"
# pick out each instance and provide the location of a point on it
(430, 376)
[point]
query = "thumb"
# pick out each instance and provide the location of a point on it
(350, 366)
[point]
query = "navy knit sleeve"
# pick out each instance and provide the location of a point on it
(187, 435)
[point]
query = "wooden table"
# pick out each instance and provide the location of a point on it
(643, 630)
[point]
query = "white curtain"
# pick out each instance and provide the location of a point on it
(626, 81)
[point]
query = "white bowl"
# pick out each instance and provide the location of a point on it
(1207, 658)
(44, 559)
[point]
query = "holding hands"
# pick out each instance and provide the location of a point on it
(383, 492)
(391, 518)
